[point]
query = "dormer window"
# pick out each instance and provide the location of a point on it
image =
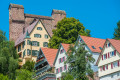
(100, 48)
(93, 47)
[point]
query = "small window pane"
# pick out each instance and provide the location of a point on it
(39, 28)
(46, 36)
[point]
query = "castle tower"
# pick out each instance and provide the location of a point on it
(16, 21)
(57, 15)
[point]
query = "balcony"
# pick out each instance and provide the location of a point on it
(40, 62)
(43, 69)
(45, 75)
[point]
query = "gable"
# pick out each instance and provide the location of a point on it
(107, 54)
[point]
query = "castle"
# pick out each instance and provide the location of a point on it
(18, 20)
(31, 32)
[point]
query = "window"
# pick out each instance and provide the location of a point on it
(19, 48)
(115, 64)
(93, 47)
(60, 60)
(60, 69)
(112, 76)
(46, 36)
(117, 74)
(28, 42)
(24, 52)
(35, 43)
(63, 58)
(34, 52)
(45, 44)
(39, 28)
(100, 48)
(56, 71)
(108, 44)
(105, 56)
(65, 67)
(37, 35)
(62, 50)
(28, 52)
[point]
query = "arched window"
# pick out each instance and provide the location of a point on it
(37, 35)
(45, 44)
(39, 28)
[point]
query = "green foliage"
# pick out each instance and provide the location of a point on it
(8, 57)
(79, 63)
(67, 76)
(117, 32)
(67, 32)
(2, 77)
(29, 65)
(23, 74)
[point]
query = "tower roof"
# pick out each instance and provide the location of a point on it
(27, 35)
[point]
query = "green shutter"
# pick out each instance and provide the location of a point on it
(44, 44)
(37, 43)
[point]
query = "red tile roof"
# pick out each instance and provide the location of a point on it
(65, 46)
(96, 42)
(50, 54)
(115, 44)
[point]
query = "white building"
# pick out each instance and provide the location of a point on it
(109, 60)
(93, 46)
(60, 59)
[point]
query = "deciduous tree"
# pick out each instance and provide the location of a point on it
(67, 31)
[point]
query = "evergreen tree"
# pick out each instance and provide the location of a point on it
(67, 32)
(79, 61)
(117, 32)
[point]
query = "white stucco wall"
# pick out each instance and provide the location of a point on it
(58, 65)
(105, 75)
(113, 76)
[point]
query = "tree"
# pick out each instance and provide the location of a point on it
(8, 57)
(79, 62)
(23, 74)
(3, 77)
(117, 32)
(67, 76)
(67, 32)
(29, 65)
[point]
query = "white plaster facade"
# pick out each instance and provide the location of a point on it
(58, 64)
(111, 71)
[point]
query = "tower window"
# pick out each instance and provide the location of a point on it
(93, 47)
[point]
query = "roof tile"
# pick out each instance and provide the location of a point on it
(50, 54)
(96, 42)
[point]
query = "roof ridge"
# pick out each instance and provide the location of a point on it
(91, 37)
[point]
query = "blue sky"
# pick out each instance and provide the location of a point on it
(99, 16)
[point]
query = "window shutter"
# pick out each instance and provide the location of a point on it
(102, 57)
(108, 55)
(106, 45)
(107, 66)
(64, 57)
(32, 43)
(104, 68)
(58, 70)
(100, 68)
(111, 65)
(115, 52)
(118, 63)
(37, 43)
(44, 44)
(61, 59)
